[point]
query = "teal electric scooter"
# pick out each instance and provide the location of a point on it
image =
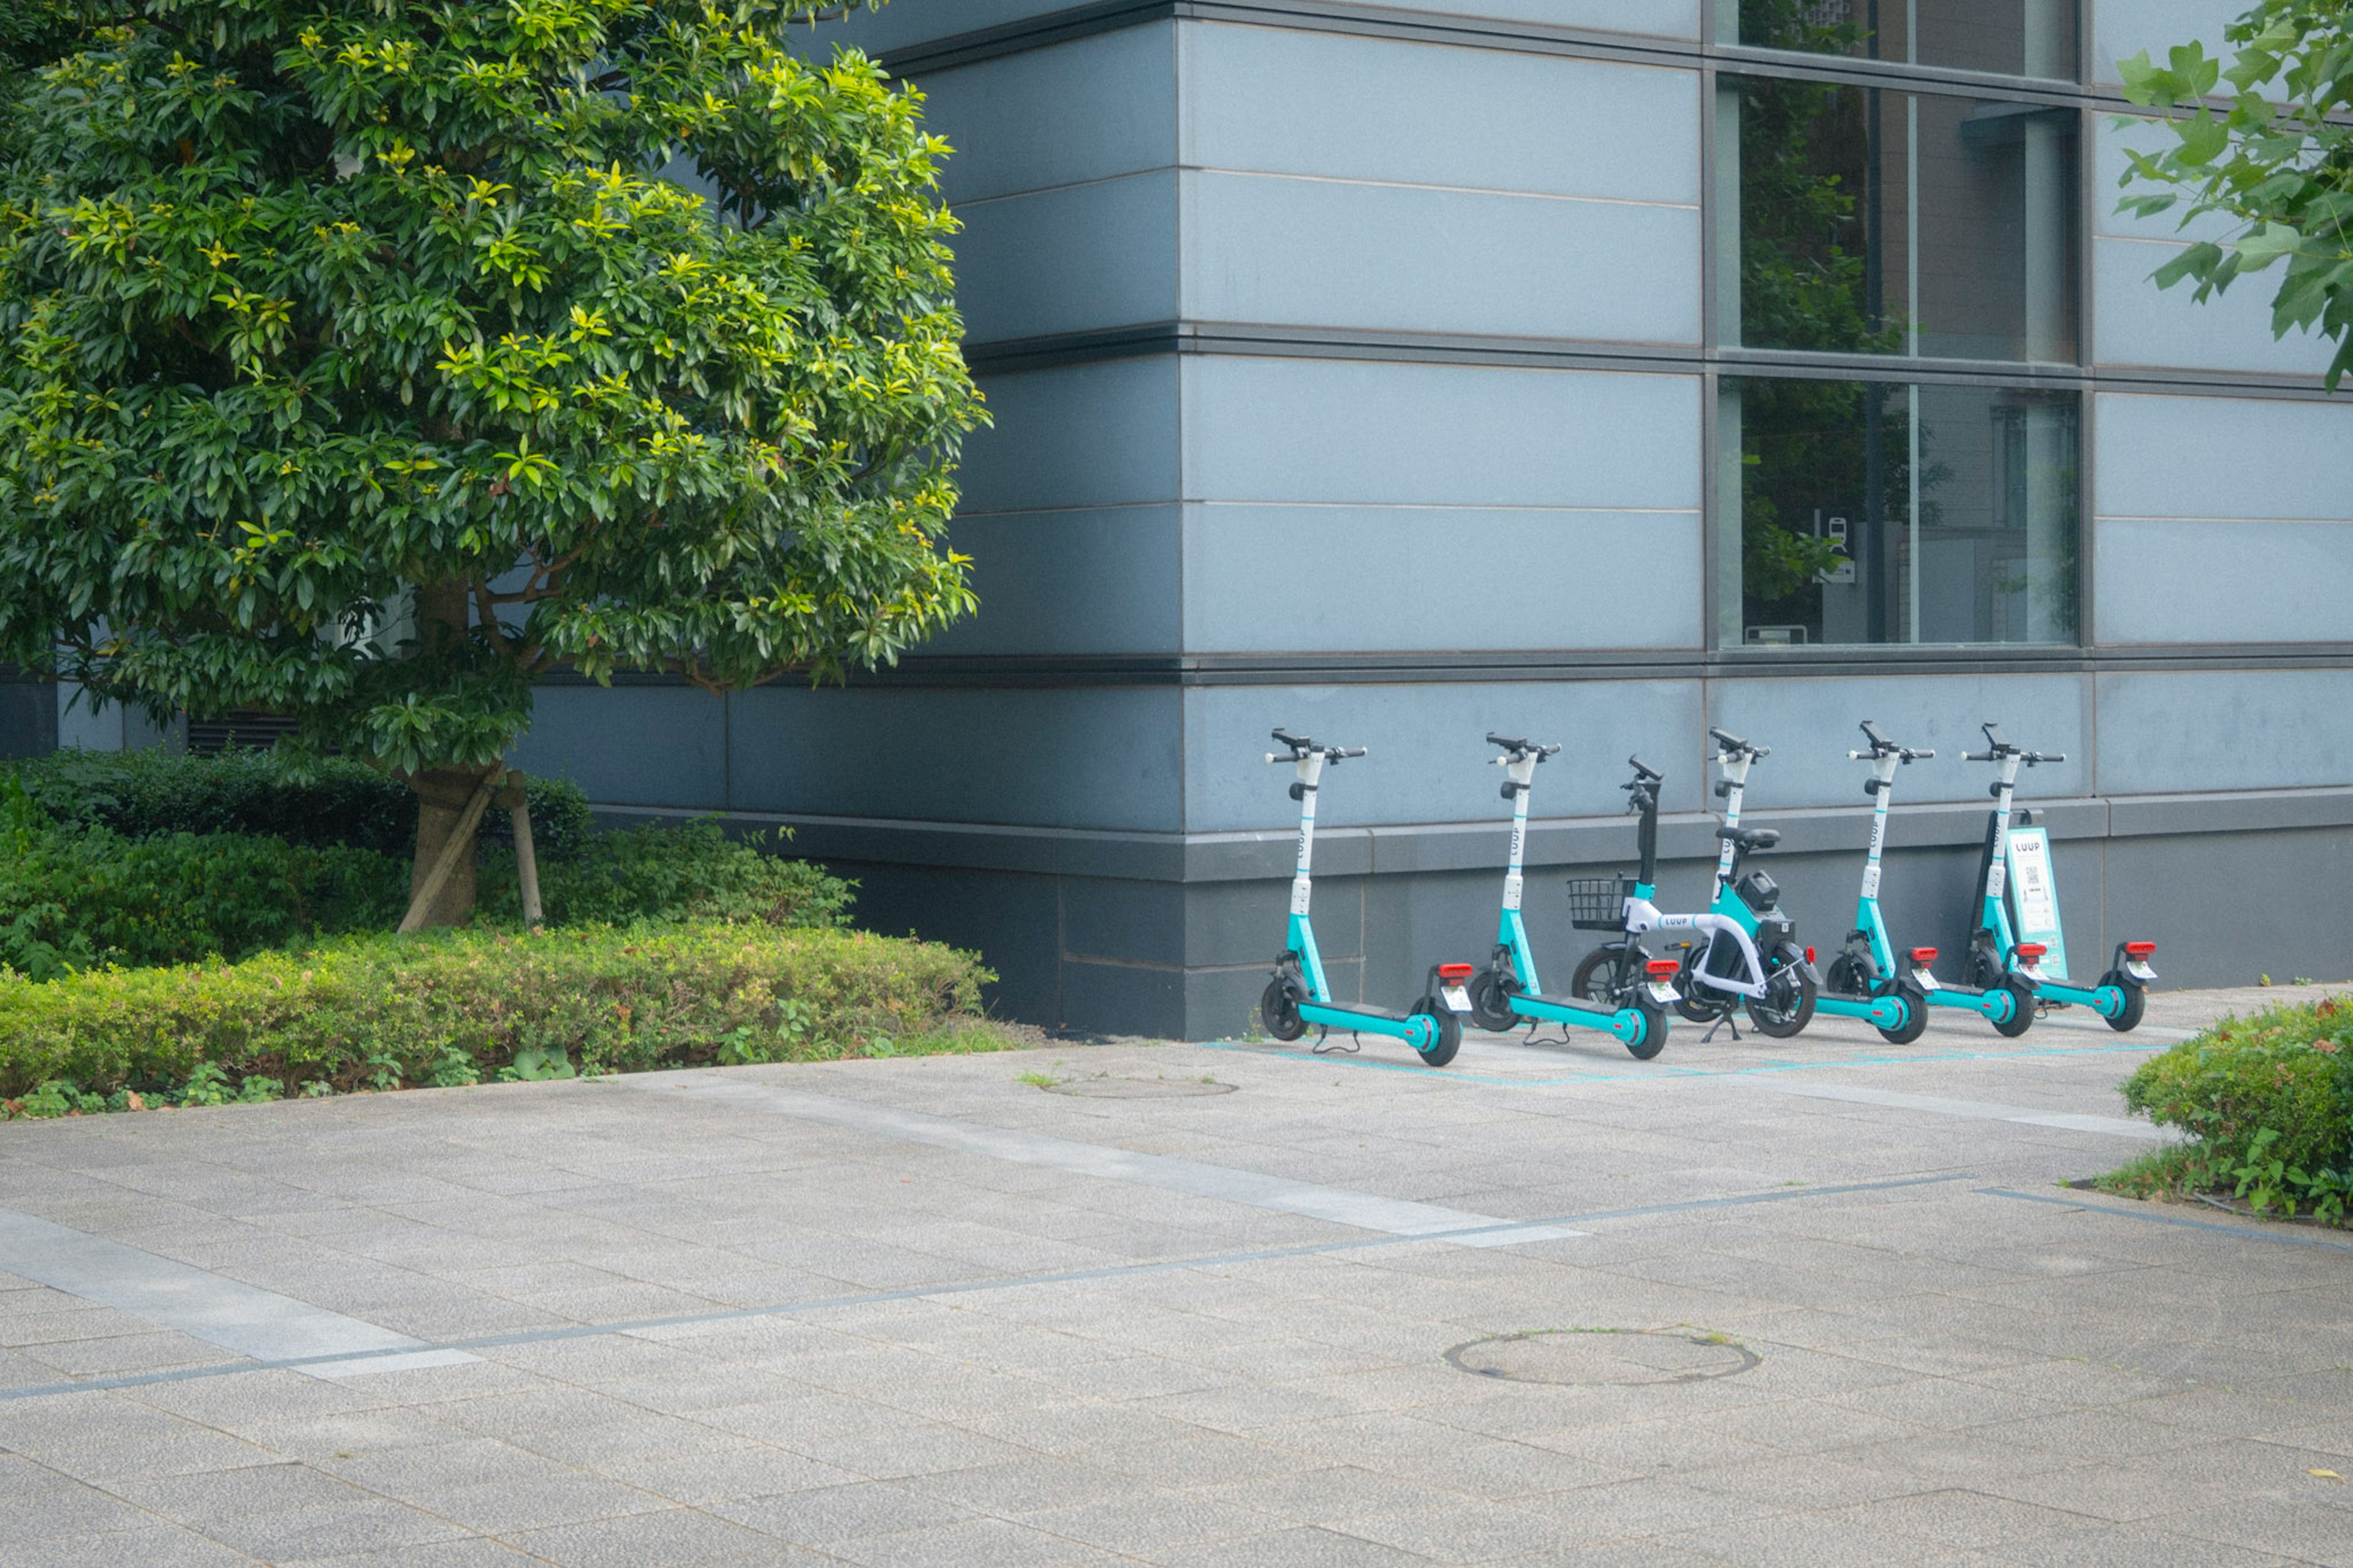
(2009, 870)
(1863, 981)
(1299, 995)
(2005, 1000)
(1506, 994)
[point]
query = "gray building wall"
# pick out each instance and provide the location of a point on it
(1351, 370)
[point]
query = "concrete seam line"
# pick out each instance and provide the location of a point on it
(920, 1292)
(2287, 1238)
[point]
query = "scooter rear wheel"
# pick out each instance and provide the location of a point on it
(2136, 1000)
(1278, 1009)
(2021, 1016)
(1654, 1030)
(1491, 1002)
(1449, 1032)
(1916, 1011)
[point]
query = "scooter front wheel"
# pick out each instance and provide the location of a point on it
(2136, 1000)
(1916, 1011)
(1441, 1051)
(1491, 1002)
(1278, 1009)
(2021, 1012)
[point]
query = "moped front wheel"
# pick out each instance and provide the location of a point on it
(1441, 1050)
(1278, 1009)
(1596, 979)
(1787, 1004)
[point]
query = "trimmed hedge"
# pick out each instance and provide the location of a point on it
(2268, 1102)
(331, 802)
(75, 900)
(456, 1006)
(692, 871)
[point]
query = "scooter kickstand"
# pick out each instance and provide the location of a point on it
(1731, 1018)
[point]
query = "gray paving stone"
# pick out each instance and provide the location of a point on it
(1966, 1377)
(158, 1546)
(673, 1538)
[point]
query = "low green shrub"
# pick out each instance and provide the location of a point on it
(328, 802)
(72, 901)
(688, 872)
(453, 1007)
(2268, 1103)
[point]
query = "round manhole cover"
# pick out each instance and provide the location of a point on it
(1138, 1088)
(1605, 1357)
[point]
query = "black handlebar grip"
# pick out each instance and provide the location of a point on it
(1981, 757)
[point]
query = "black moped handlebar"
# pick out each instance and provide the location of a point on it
(1523, 747)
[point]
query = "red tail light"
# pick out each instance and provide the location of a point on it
(1454, 974)
(2031, 950)
(1810, 955)
(2140, 949)
(1663, 968)
(1924, 956)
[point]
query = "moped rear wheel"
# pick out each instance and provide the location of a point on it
(1449, 1032)
(1278, 1009)
(1694, 999)
(2136, 1000)
(1787, 1004)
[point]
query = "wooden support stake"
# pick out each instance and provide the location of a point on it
(518, 806)
(461, 841)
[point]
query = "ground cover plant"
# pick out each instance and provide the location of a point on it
(453, 1008)
(2267, 1101)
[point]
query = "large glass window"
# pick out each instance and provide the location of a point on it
(1863, 220)
(1861, 511)
(2015, 37)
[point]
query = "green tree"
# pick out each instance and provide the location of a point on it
(363, 362)
(2276, 164)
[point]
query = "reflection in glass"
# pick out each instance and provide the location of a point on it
(1877, 222)
(1887, 512)
(2015, 37)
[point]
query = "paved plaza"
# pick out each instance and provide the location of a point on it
(1235, 1304)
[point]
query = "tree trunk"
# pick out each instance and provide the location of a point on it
(441, 798)
(443, 611)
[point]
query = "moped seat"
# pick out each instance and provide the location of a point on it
(1750, 837)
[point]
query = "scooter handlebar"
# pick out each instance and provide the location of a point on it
(1734, 745)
